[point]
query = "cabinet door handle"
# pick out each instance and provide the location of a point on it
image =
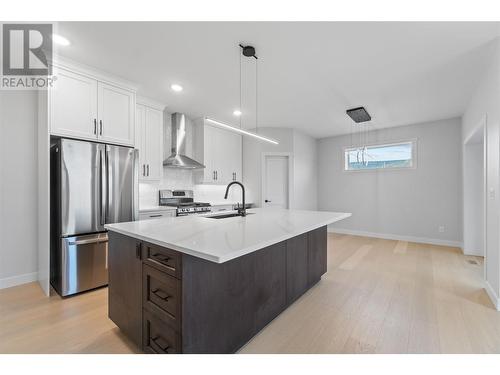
(213, 175)
(100, 127)
(161, 294)
(138, 251)
(216, 175)
(144, 169)
(95, 126)
(161, 257)
(148, 170)
(161, 343)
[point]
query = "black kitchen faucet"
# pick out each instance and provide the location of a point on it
(241, 210)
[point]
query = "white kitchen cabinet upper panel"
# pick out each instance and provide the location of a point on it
(84, 107)
(73, 106)
(154, 139)
(149, 141)
(220, 151)
(234, 149)
(116, 109)
(140, 137)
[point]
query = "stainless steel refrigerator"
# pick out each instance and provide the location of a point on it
(92, 184)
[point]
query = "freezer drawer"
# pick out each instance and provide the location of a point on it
(84, 263)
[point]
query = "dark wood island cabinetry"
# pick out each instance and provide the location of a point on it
(169, 302)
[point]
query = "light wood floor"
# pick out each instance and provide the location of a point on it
(379, 296)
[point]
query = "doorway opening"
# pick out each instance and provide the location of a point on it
(474, 179)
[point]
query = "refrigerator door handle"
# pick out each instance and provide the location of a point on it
(102, 187)
(108, 178)
(135, 185)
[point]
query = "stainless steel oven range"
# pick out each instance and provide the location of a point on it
(184, 202)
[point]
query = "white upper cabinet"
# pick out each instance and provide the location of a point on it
(154, 142)
(116, 110)
(140, 138)
(73, 106)
(149, 141)
(220, 150)
(235, 161)
(84, 107)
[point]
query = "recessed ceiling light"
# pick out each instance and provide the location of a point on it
(62, 41)
(176, 87)
(237, 112)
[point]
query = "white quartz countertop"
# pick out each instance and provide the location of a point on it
(220, 240)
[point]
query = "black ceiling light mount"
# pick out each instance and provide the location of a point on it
(359, 114)
(248, 51)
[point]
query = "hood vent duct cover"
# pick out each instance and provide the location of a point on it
(178, 159)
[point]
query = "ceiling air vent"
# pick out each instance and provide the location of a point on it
(359, 114)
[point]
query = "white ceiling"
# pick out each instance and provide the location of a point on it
(309, 73)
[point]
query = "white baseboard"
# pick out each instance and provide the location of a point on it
(396, 237)
(493, 296)
(473, 252)
(18, 280)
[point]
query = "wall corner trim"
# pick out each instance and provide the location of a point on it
(493, 296)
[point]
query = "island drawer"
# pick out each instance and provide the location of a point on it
(158, 337)
(161, 294)
(164, 259)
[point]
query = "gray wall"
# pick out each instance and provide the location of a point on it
(18, 187)
(305, 175)
(409, 203)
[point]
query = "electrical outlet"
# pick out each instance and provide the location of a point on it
(441, 229)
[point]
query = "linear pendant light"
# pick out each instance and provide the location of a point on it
(241, 131)
(247, 51)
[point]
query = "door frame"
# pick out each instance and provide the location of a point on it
(482, 124)
(289, 156)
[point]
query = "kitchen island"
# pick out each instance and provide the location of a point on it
(199, 284)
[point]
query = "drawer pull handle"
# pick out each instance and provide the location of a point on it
(157, 292)
(161, 258)
(162, 344)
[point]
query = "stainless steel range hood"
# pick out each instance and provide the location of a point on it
(178, 159)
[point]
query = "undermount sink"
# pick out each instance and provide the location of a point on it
(225, 216)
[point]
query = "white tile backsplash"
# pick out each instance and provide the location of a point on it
(176, 179)
(148, 194)
(182, 179)
(214, 194)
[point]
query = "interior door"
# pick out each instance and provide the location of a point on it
(116, 109)
(73, 106)
(276, 179)
(120, 184)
